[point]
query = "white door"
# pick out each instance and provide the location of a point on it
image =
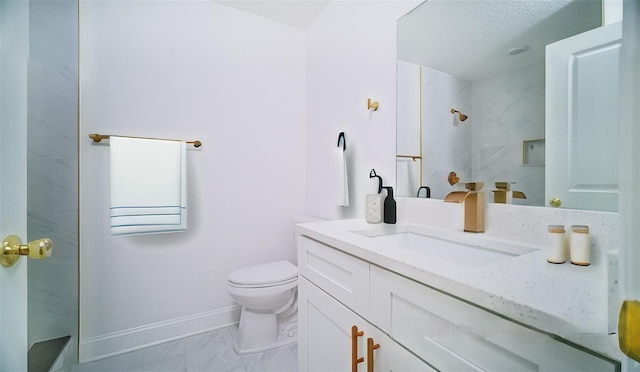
(582, 119)
(14, 22)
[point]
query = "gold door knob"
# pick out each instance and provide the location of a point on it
(555, 202)
(12, 249)
(629, 329)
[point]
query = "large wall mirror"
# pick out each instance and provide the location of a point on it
(484, 59)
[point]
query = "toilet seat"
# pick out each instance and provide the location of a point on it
(264, 275)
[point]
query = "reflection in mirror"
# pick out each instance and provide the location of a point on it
(485, 59)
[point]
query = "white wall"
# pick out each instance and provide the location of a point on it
(190, 70)
(351, 56)
(242, 85)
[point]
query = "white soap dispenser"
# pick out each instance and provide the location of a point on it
(374, 204)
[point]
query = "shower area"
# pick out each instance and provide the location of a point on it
(52, 178)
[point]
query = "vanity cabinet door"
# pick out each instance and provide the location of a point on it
(325, 341)
(342, 276)
(454, 335)
(391, 356)
(324, 331)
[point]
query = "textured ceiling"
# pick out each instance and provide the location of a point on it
(297, 13)
(471, 38)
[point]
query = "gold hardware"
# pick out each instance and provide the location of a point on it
(414, 157)
(354, 348)
(473, 205)
(99, 137)
(372, 105)
(12, 249)
(453, 178)
(370, 348)
(500, 196)
(456, 196)
(629, 329)
(519, 195)
(474, 212)
(462, 116)
(555, 202)
(474, 186)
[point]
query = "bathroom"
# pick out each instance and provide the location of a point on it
(266, 99)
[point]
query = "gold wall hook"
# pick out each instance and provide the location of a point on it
(372, 105)
(12, 249)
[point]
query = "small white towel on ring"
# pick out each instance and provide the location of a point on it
(407, 176)
(342, 181)
(148, 186)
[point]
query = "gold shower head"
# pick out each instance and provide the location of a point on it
(462, 116)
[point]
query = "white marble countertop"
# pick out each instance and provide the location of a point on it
(562, 299)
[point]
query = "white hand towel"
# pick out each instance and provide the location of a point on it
(148, 186)
(342, 181)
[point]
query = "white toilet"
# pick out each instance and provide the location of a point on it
(268, 295)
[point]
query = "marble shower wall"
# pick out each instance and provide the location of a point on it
(446, 141)
(52, 169)
(505, 110)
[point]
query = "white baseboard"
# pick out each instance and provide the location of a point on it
(120, 342)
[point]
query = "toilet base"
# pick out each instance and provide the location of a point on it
(285, 338)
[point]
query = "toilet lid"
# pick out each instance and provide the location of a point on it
(264, 274)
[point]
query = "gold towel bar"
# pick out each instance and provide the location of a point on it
(99, 137)
(414, 157)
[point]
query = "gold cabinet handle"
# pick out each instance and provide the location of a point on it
(370, 348)
(354, 348)
(12, 249)
(555, 202)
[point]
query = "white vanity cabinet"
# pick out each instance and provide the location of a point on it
(454, 335)
(331, 337)
(417, 327)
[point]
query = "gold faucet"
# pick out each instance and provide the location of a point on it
(503, 193)
(473, 200)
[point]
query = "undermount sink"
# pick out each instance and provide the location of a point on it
(459, 253)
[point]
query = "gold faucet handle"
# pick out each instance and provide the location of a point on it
(453, 178)
(474, 186)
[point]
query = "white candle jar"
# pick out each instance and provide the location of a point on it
(580, 245)
(556, 250)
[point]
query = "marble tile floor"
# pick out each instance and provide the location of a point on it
(206, 352)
